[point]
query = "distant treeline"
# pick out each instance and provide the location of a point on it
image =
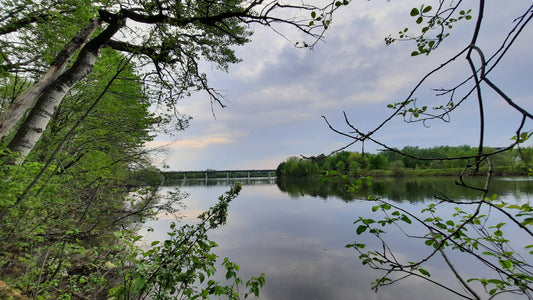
(390, 163)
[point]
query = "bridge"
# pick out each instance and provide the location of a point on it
(227, 174)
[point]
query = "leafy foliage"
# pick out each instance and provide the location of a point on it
(58, 207)
(465, 231)
(473, 228)
(436, 22)
(445, 160)
(179, 267)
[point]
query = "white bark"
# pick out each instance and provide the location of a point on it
(34, 125)
(10, 117)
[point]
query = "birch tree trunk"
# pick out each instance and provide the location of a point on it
(12, 115)
(42, 112)
(34, 125)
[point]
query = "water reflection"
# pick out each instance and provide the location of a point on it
(296, 233)
(221, 181)
(411, 190)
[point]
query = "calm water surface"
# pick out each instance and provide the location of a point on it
(296, 234)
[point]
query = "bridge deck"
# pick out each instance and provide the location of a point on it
(270, 173)
(222, 171)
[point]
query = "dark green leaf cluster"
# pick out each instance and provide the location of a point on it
(58, 208)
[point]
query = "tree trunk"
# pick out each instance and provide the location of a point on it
(40, 115)
(34, 125)
(21, 104)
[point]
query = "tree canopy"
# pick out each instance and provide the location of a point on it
(166, 41)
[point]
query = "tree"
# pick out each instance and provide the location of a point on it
(377, 162)
(172, 39)
(62, 231)
(471, 228)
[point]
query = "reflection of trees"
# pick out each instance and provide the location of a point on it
(411, 189)
(315, 188)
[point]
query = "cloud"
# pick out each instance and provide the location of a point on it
(277, 95)
(194, 143)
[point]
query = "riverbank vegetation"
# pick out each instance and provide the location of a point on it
(60, 208)
(408, 161)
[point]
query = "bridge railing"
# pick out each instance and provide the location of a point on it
(219, 174)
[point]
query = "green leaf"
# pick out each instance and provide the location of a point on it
(385, 206)
(313, 14)
(441, 226)
(361, 229)
(527, 221)
(406, 219)
(139, 283)
(506, 264)
(424, 272)
(414, 12)
(426, 9)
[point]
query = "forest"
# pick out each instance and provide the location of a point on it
(408, 161)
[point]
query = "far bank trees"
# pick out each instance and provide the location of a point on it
(416, 162)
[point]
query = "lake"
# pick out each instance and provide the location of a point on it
(295, 232)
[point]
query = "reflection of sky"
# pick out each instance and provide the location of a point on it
(300, 244)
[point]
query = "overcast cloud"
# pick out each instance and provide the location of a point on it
(277, 95)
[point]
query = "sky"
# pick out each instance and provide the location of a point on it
(277, 95)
